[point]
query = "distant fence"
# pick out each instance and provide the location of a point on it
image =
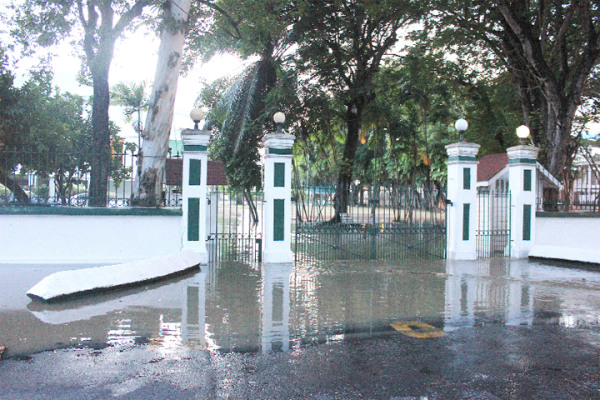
(51, 179)
(582, 194)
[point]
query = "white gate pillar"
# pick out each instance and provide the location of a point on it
(195, 165)
(522, 167)
(278, 198)
(51, 188)
(462, 206)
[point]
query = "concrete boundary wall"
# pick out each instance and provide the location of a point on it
(75, 236)
(567, 236)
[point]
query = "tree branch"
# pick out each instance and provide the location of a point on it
(530, 48)
(232, 22)
(125, 19)
(81, 15)
(559, 41)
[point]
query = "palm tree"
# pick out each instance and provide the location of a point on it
(133, 98)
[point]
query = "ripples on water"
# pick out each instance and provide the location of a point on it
(251, 308)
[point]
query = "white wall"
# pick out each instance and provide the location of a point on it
(567, 237)
(87, 238)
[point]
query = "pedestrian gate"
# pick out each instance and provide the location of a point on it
(378, 223)
(493, 226)
(234, 225)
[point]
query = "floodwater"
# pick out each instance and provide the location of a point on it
(237, 307)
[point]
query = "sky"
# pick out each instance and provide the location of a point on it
(134, 61)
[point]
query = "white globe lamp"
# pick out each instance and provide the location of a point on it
(461, 126)
(523, 133)
(196, 115)
(279, 119)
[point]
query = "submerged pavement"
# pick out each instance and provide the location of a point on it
(486, 362)
(434, 329)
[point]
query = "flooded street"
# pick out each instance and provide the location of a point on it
(244, 308)
(496, 329)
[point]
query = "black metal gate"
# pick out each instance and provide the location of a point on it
(378, 223)
(234, 225)
(493, 225)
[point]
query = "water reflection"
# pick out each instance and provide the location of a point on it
(519, 293)
(276, 307)
(121, 334)
(252, 308)
(193, 317)
(491, 291)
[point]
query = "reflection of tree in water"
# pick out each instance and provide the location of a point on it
(233, 311)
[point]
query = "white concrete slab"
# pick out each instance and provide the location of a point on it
(170, 296)
(67, 283)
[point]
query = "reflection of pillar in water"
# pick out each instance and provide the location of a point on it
(485, 287)
(461, 291)
(193, 313)
(276, 307)
(452, 314)
(520, 297)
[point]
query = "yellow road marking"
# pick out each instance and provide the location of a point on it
(417, 329)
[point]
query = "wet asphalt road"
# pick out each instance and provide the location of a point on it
(493, 361)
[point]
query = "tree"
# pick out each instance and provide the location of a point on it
(45, 133)
(549, 47)
(133, 98)
(159, 119)
(244, 109)
(341, 46)
(48, 133)
(8, 140)
(241, 112)
(416, 98)
(102, 22)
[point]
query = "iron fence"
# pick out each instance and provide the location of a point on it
(579, 193)
(369, 222)
(29, 178)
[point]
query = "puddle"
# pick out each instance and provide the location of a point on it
(237, 307)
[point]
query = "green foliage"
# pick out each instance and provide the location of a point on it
(49, 133)
(244, 27)
(134, 100)
(236, 136)
(341, 45)
(240, 107)
(549, 49)
(8, 99)
(132, 96)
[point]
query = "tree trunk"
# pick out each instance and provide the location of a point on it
(101, 138)
(559, 115)
(159, 119)
(353, 120)
(15, 188)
